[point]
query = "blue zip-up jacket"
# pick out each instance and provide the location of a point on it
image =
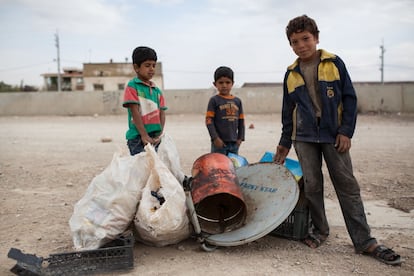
(339, 104)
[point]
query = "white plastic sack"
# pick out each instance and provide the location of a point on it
(168, 153)
(110, 202)
(161, 218)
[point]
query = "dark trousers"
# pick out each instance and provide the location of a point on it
(136, 145)
(346, 186)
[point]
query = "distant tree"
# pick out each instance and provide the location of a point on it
(4, 87)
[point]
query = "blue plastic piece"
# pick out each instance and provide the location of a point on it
(238, 161)
(292, 165)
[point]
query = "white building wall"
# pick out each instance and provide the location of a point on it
(112, 83)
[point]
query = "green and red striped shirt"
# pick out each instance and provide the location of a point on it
(151, 101)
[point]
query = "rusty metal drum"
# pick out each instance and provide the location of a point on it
(216, 193)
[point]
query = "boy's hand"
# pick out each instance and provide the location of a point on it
(342, 143)
(218, 143)
(157, 140)
(280, 156)
(146, 139)
(238, 142)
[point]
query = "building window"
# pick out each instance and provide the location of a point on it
(98, 87)
(121, 86)
(67, 84)
(79, 84)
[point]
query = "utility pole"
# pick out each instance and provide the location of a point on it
(59, 81)
(382, 61)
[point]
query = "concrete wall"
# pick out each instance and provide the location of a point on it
(60, 103)
(391, 98)
(255, 100)
(385, 98)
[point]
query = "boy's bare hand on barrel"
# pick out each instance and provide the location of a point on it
(280, 156)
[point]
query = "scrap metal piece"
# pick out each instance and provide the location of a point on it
(27, 264)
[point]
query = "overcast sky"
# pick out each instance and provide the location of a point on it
(193, 38)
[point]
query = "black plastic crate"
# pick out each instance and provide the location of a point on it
(297, 224)
(114, 256)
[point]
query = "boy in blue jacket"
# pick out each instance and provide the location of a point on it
(318, 116)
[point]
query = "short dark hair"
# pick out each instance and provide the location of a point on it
(142, 54)
(300, 24)
(224, 71)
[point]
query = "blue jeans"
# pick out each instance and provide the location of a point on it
(229, 147)
(346, 186)
(136, 145)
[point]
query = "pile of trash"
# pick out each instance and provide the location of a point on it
(144, 189)
(143, 192)
(149, 194)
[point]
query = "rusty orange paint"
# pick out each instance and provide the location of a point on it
(214, 173)
(216, 193)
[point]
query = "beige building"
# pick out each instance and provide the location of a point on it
(112, 76)
(71, 80)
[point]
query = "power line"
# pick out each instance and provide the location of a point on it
(24, 66)
(76, 61)
(400, 66)
(209, 72)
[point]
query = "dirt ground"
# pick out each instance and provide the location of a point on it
(47, 163)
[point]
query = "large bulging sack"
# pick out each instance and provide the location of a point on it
(109, 204)
(161, 218)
